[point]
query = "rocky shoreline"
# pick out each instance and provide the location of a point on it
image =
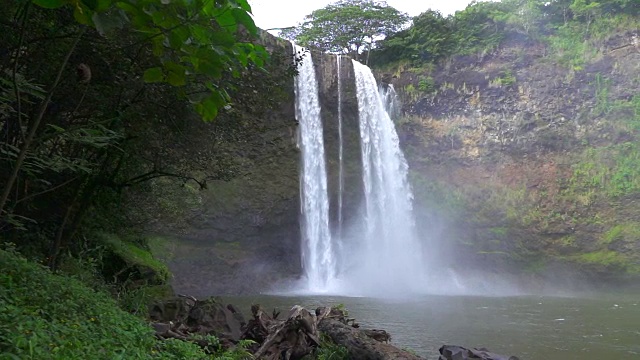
(296, 335)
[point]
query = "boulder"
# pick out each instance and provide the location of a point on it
(454, 352)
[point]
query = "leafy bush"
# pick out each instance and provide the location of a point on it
(328, 350)
(48, 316)
(426, 84)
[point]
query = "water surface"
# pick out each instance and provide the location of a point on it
(531, 327)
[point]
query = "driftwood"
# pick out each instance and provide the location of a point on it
(299, 334)
(291, 338)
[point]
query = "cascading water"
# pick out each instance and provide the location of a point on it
(390, 101)
(317, 253)
(340, 150)
(390, 255)
(385, 257)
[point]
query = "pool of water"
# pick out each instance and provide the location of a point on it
(530, 327)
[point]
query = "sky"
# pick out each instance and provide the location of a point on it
(269, 14)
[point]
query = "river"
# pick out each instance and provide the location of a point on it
(596, 327)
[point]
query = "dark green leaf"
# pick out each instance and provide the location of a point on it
(242, 17)
(83, 15)
(153, 75)
(91, 4)
(176, 74)
(226, 20)
(207, 109)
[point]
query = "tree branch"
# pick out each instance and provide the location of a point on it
(34, 127)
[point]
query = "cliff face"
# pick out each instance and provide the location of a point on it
(521, 162)
(525, 160)
(242, 235)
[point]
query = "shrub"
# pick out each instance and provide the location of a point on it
(49, 316)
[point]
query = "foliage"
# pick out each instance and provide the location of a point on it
(135, 256)
(328, 350)
(79, 126)
(608, 259)
(432, 37)
(192, 39)
(426, 84)
(347, 26)
(506, 78)
(484, 25)
(48, 316)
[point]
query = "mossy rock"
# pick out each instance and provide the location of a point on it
(129, 262)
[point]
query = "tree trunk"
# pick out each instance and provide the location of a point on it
(33, 129)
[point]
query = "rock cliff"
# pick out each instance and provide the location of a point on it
(524, 161)
(521, 163)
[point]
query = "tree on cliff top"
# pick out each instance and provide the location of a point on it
(347, 26)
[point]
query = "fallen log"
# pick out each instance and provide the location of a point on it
(294, 338)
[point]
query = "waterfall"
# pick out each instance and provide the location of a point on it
(340, 150)
(377, 248)
(390, 100)
(317, 254)
(390, 255)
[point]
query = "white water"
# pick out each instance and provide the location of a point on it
(385, 258)
(376, 251)
(318, 259)
(340, 150)
(389, 257)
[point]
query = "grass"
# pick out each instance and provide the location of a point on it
(50, 316)
(603, 257)
(621, 232)
(47, 316)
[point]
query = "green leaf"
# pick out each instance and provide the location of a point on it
(176, 75)
(178, 37)
(207, 109)
(153, 75)
(210, 67)
(226, 20)
(222, 38)
(50, 4)
(242, 17)
(244, 5)
(83, 15)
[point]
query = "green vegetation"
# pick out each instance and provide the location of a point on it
(506, 78)
(99, 104)
(610, 171)
(347, 26)
(47, 316)
(573, 29)
(626, 232)
(96, 100)
(328, 350)
(608, 258)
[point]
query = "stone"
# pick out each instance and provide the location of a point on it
(454, 352)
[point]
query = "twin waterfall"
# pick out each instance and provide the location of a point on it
(318, 257)
(383, 253)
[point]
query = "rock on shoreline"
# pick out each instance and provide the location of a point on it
(292, 337)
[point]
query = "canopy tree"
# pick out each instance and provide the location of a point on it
(347, 26)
